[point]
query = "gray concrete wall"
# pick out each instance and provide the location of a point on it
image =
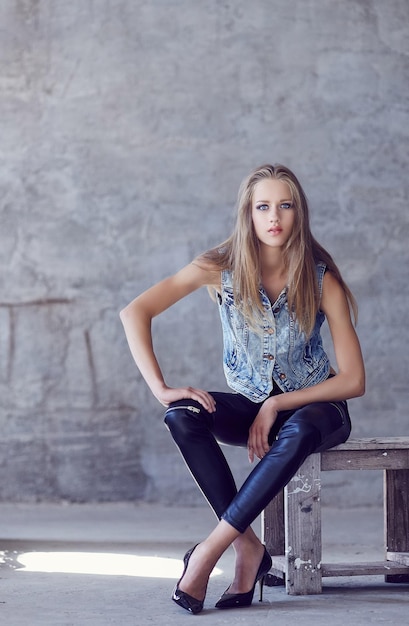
(126, 127)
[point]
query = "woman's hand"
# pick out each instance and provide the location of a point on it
(257, 443)
(166, 395)
(137, 319)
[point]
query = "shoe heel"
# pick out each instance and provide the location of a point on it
(261, 583)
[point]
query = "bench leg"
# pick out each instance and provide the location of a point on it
(272, 531)
(396, 508)
(302, 512)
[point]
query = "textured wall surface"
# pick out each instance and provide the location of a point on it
(126, 128)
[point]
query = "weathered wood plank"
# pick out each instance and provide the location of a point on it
(279, 562)
(303, 529)
(394, 443)
(272, 531)
(399, 557)
(398, 563)
(335, 459)
(372, 568)
(396, 495)
(272, 535)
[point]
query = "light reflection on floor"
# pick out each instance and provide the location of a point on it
(105, 564)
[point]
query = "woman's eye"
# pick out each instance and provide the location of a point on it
(286, 205)
(262, 207)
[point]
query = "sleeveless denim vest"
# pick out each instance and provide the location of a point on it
(282, 353)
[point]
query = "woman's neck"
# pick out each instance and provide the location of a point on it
(272, 263)
(274, 275)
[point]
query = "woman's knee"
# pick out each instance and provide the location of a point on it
(301, 433)
(182, 419)
(324, 423)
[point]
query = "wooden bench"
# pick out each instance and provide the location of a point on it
(291, 524)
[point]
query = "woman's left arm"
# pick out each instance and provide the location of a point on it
(348, 382)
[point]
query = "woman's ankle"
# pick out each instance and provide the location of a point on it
(247, 541)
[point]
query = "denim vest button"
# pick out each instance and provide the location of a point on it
(271, 331)
(270, 357)
(282, 376)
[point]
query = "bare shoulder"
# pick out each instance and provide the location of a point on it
(334, 302)
(197, 275)
(210, 271)
(330, 283)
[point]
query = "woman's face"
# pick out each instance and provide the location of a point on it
(272, 212)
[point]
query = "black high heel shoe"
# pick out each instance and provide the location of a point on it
(182, 598)
(238, 600)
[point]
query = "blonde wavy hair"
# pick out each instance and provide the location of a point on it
(240, 254)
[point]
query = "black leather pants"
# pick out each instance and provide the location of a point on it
(294, 436)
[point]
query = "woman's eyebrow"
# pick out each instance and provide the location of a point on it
(282, 200)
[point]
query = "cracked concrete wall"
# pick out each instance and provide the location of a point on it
(126, 127)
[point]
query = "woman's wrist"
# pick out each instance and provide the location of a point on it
(274, 402)
(158, 388)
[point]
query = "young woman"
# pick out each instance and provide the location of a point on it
(274, 286)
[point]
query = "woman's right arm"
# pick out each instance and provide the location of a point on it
(137, 321)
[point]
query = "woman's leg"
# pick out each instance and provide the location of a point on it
(311, 428)
(205, 557)
(197, 433)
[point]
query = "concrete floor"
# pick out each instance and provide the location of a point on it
(99, 564)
